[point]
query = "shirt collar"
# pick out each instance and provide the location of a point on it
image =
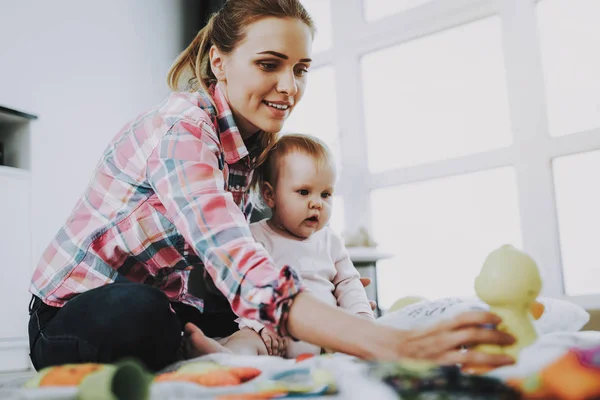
(229, 134)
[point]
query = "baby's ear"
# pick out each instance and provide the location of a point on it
(268, 194)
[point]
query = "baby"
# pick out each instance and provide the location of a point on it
(296, 182)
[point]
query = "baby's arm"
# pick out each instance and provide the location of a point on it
(349, 291)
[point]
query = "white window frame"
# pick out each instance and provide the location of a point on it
(530, 154)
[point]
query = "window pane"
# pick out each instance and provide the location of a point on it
(320, 11)
(316, 112)
(337, 217)
(570, 42)
(377, 9)
(577, 203)
(441, 231)
(438, 97)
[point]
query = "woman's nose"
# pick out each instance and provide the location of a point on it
(287, 84)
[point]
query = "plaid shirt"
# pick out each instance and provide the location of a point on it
(169, 195)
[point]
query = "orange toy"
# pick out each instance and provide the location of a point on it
(570, 380)
(304, 356)
(532, 388)
(213, 377)
(245, 373)
(68, 375)
(209, 378)
(574, 376)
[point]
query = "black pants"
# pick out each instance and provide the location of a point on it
(106, 324)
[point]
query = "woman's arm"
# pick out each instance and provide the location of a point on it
(186, 174)
(331, 327)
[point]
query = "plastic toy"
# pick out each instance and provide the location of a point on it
(509, 282)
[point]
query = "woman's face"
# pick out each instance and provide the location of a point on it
(265, 75)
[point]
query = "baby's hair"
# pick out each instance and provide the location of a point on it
(268, 166)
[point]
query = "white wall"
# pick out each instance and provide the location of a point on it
(85, 68)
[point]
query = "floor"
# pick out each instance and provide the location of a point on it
(12, 379)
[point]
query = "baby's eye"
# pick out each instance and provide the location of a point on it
(303, 192)
(325, 195)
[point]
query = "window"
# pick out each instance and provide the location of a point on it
(441, 231)
(570, 39)
(377, 9)
(578, 209)
(337, 217)
(444, 107)
(439, 97)
(320, 11)
(316, 114)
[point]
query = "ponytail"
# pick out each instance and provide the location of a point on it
(194, 60)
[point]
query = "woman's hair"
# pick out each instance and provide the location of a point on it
(225, 29)
(267, 169)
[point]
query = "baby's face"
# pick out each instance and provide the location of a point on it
(303, 194)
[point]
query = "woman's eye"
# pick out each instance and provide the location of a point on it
(303, 192)
(268, 66)
(301, 71)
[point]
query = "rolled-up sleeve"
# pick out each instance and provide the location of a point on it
(184, 172)
(349, 291)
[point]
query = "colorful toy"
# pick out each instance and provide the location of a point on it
(509, 282)
(210, 374)
(301, 382)
(413, 379)
(574, 376)
(126, 380)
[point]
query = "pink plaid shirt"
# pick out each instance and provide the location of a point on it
(169, 195)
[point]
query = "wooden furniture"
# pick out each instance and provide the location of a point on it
(365, 260)
(15, 238)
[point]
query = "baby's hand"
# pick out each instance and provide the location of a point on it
(275, 344)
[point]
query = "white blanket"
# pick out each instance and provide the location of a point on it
(547, 349)
(350, 376)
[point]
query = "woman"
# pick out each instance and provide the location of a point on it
(167, 206)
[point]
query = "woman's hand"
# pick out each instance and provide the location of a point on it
(442, 342)
(327, 326)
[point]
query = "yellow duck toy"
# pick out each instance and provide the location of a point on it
(509, 282)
